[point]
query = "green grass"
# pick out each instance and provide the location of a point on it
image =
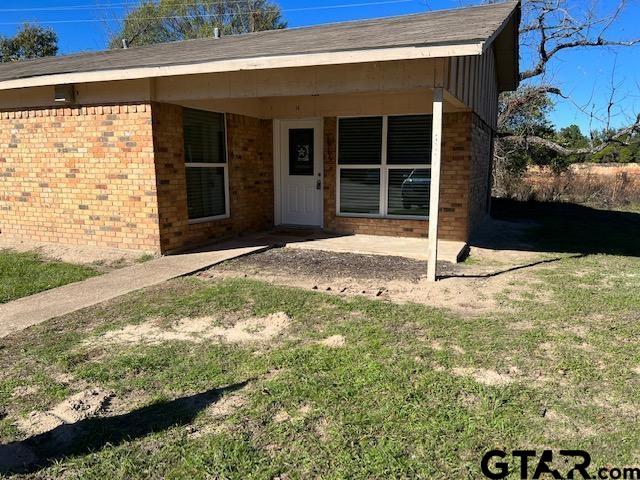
(388, 404)
(23, 274)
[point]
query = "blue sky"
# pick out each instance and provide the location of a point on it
(585, 75)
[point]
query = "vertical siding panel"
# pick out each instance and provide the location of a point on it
(453, 75)
(461, 77)
(467, 81)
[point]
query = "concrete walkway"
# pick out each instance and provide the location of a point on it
(415, 248)
(27, 311)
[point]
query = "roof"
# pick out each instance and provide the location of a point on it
(439, 33)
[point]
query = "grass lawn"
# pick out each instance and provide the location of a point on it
(23, 274)
(399, 391)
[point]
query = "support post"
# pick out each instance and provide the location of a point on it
(434, 199)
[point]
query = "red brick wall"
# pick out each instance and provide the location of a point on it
(115, 176)
(480, 175)
(250, 156)
(79, 176)
(464, 144)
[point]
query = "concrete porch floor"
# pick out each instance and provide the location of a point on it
(414, 248)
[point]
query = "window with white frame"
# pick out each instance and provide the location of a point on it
(206, 165)
(384, 166)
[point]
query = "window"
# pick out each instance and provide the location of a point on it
(301, 151)
(206, 165)
(384, 166)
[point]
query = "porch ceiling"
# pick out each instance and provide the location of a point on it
(312, 106)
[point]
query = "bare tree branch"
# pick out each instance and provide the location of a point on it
(623, 137)
(555, 30)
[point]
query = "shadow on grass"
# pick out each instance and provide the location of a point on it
(561, 228)
(513, 269)
(90, 435)
(564, 228)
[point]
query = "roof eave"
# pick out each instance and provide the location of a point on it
(506, 45)
(256, 63)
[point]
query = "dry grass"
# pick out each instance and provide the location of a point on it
(605, 186)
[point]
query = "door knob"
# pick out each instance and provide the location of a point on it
(318, 184)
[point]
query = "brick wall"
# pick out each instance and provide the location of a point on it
(250, 156)
(480, 175)
(464, 144)
(114, 176)
(79, 176)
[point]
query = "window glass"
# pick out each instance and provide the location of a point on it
(409, 140)
(205, 192)
(301, 151)
(360, 190)
(360, 141)
(204, 143)
(409, 191)
(204, 140)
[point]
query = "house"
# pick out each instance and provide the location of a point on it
(379, 126)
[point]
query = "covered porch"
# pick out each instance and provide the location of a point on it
(378, 148)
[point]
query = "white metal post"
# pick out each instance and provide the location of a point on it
(434, 200)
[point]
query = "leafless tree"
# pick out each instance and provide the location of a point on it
(550, 28)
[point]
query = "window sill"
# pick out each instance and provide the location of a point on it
(208, 219)
(382, 217)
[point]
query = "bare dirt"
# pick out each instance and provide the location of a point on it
(478, 287)
(484, 376)
(335, 341)
(199, 329)
(78, 407)
(79, 254)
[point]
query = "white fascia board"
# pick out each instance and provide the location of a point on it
(257, 63)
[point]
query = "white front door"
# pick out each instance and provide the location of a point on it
(301, 173)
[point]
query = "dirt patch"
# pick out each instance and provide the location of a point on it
(465, 289)
(282, 416)
(300, 414)
(469, 400)
(335, 341)
(226, 406)
(322, 264)
(560, 425)
(578, 330)
(436, 367)
(78, 407)
(522, 326)
(85, 255)
(252, 330)
(24, 391)
(439, 346)
(484, 376)
(321, 428)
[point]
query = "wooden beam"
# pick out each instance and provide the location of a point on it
(434, 200)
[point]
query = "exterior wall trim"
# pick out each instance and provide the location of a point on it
(257, 63)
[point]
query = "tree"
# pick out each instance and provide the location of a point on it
(31, 41)
(549, 28)
(172, 20)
